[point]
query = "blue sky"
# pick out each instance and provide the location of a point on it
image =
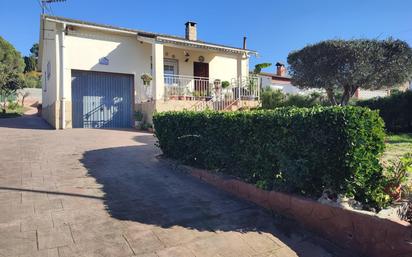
(273, 27)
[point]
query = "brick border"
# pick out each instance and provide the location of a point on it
(368, 234)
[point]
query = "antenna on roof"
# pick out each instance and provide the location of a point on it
(45, 3)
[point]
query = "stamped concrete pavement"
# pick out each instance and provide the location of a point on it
(83, 192)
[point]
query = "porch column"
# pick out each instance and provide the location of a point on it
(242, 67)
(158, 75)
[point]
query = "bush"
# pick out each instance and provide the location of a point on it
(225, 84)
(276, 98)
(395, 110)
(297, 150)
(32, 79)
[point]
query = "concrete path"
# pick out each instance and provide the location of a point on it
(83, 192)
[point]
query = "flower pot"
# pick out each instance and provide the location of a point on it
(138, 124)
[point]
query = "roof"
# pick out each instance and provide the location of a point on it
(275, 76)
(165, 37)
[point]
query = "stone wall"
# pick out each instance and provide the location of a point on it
(50, 113)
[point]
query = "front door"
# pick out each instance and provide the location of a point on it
(201, 74)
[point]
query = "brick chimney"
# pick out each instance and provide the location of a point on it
(280, 69)
(191, 31)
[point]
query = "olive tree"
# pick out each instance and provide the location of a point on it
(343, 66)
(11, 68)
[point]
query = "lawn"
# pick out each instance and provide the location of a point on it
(13, 113)
(397, 145)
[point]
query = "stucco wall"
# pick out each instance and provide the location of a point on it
(49, 75)
(83, 47)
(126, 55)
(221, 66)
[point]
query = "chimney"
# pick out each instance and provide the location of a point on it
(280, 69)
(244, 42)
(191, 32)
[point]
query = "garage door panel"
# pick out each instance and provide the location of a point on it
(101, 100)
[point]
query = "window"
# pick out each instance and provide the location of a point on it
(170, 67)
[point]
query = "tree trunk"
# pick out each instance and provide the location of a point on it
(347, 94)
(4, 104)
(331, 96)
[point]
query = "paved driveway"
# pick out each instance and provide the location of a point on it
(84, 192)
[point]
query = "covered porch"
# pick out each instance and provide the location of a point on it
(196, 76)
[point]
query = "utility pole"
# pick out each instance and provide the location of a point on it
(44, 4)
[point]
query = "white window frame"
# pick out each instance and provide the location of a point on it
(172, 62)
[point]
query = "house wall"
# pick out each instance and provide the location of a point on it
(49, 73)
(83, 47)
(221, 66)
(126, 55)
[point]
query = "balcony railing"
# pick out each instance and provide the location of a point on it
(178, 87)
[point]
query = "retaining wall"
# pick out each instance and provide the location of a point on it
(368, 234)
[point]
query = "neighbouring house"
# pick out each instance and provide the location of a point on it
(280, 80)
(363, 94)
(98, 75)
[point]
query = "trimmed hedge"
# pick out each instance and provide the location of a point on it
(395, 110)
(298, 150)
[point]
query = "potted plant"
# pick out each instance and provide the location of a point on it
(148, 127)
(225, 84)
(138, 117)
(146, 77)
(397, 174)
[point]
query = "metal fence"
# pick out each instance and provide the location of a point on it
(211, 93)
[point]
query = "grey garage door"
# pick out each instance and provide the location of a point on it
(101, 100)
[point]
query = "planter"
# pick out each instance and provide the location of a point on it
(358, 231)
(138, 124)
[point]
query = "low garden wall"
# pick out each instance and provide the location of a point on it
(369, 235)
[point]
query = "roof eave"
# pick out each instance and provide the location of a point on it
(157, 36)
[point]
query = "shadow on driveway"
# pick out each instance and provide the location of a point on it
(142, 188)
(25, 122)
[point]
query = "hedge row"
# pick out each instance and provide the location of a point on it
(395, 110)
(298, 150)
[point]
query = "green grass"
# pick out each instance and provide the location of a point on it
(13, 113)
(397, 145)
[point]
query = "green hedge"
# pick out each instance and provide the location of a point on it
(395, 110)
(297, 150)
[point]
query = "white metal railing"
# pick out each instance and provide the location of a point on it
(211, 93)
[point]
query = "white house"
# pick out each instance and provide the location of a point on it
(280, 81)
(92, 74)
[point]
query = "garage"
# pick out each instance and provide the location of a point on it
(101, 100)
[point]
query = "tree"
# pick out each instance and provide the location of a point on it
(11, 68)
(31, 60)
(260, 66)
(13, 83)
(341, 67)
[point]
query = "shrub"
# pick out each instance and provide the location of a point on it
(395, 110)
(12, 105)
(276, 98)
(225, 84)
(138, 116)
(297, 150)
